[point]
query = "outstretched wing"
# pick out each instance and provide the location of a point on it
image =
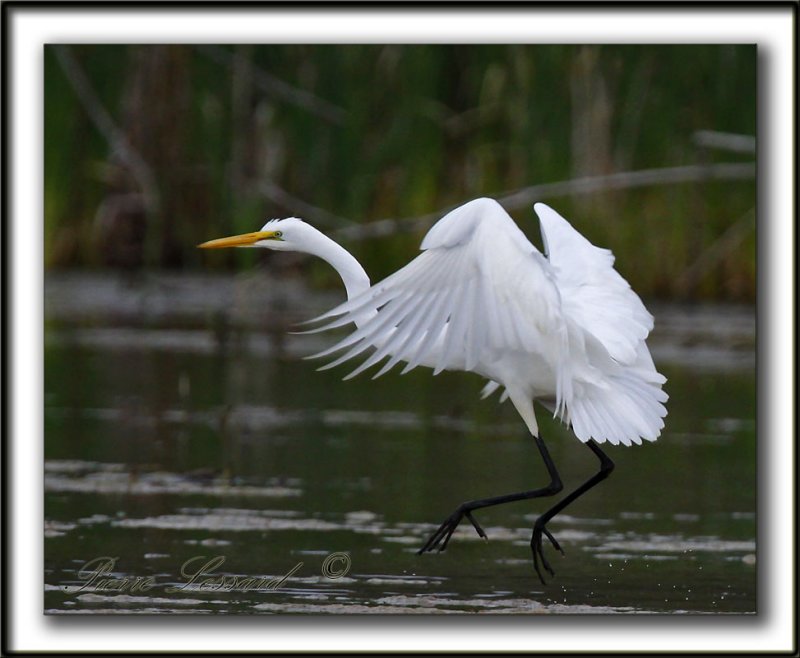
(625, 404)
(459, 302)
(593, 293)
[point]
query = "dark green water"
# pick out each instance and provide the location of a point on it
(185, 440)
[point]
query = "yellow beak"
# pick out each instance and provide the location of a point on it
(244, 240)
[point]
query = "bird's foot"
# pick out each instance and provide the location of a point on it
(441, 537)
(538, 553)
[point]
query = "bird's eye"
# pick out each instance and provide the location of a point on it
(278, 234)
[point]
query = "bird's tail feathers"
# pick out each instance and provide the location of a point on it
(624, 408)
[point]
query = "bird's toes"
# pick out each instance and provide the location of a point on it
(475, 525)
(538, 553)
(553, 541)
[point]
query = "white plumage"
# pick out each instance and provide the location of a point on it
(565, 329)
(562, 328)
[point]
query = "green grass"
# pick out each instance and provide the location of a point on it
(414, 129)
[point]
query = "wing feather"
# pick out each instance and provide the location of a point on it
(453, 336)
(480, 293)
(454, 305)
(593, 293)
(406, 332)
(364, 336)
(430, 334)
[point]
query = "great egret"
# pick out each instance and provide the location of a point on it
(563, 328)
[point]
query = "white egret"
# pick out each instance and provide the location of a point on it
(562, 328)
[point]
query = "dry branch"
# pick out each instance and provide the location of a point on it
(725, 141)
(576, 186)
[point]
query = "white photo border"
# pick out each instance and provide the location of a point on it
(27, 27)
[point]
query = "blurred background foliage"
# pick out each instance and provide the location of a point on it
(151, 149)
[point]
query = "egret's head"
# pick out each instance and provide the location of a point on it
(290, 234)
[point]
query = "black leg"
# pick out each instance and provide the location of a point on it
(606, 466)
(441, 537)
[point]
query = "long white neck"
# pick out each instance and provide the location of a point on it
(354, 277)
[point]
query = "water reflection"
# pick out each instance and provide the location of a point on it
(168, 441)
